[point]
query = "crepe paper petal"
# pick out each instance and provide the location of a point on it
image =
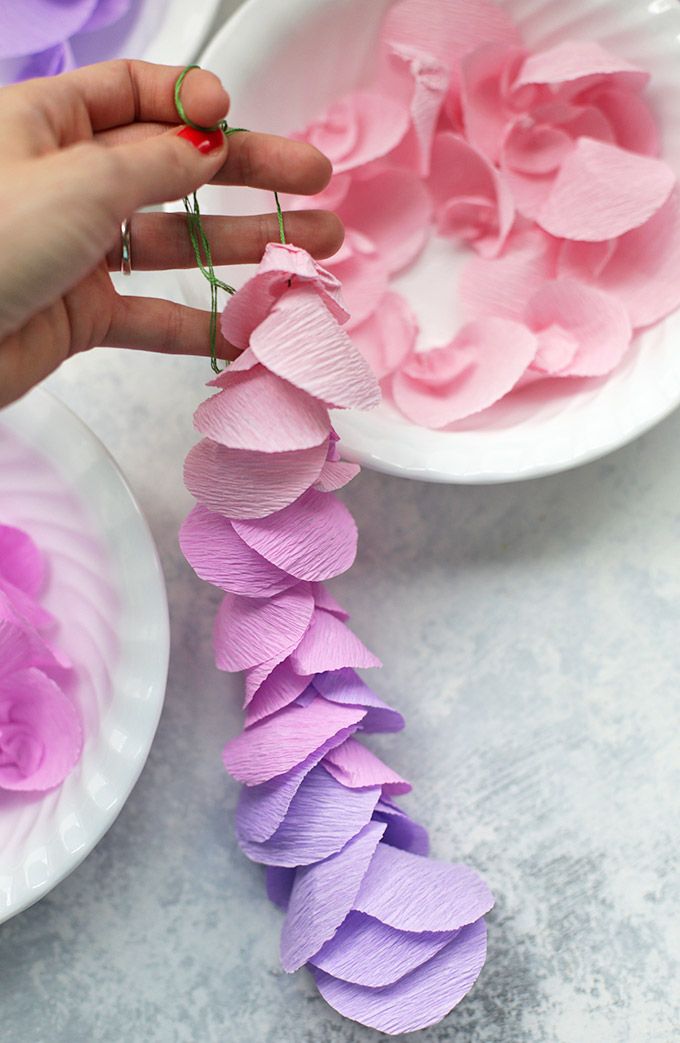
(412, 893)
(41, 736)
(15, 650)
(323, 816)
(281, 742)
(31, 611)
(419, 999)
(106, 13)
(355, 766)
(50, 62)
(603, 191)
(218, 555)
(325, 600)
(572, 61)
(329, 198)
(402, 831)
(261, 809)
(483, 362)
(335, 474)
(329, 645)
(346, 687)
(535, 148)
(249, 631)
(239, 483)
(421, 82)
(448, 29)
(393, 209)
(21, 645)
(641, 269)
(314, 538)
(366, 952)
(20, 561)
(631, 120)
(280, 264)
(486, 98)
(303, 344)
(581, 331)
(503, 286)
(279, 883)
(322, 896)
(388, 336)
(281, 688)
(358, 128)
(363, 274)
(35, 25)
(258, 411)
(461, 174)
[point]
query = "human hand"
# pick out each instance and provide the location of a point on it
(80, 153)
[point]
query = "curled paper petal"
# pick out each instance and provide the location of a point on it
(629, 117)
(280, 688)
(358, 128)
(355, 766)
(105, 13)
(279, 883)
(335, 474)
(572, 61)
(388, 336)
(421, 82)
(363, 273)
(35, 25)
(402, 831)
(393, 209)
(487, 100)
(249, 631)
(21, 563)
(325, 600)
(329, 645)
(347, 688)
(503, 286)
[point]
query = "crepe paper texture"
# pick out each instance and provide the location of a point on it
(393, 939)
(544, 166)
(36, 36)
(41, 734)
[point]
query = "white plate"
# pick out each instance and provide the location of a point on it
(269, 55)
(106, 588)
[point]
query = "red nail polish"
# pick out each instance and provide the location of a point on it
(205, 141)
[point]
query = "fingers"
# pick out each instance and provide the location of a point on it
(161, 241)
(148, 324)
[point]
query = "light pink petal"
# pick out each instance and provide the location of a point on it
(41, 736)
(359, 128)
(354, 765)
(302, 343)
(574, 60)
(421, 82)
(15, 649)
(535, 148)
(219, 555)
(335, 474)
(329, 645)
(388, 336)
(596, 324)
(363, 275)
(21, 563)
(482, 363)
(281, 688)
(253, 302)
(239, 483)
(277, 744)
(642, 270)
(249, 631)
(258, 411)
(629, 116)
(503, 286)
(603, 191)
(314, 539)
(486, 106)
(394, 210)
(329, 198)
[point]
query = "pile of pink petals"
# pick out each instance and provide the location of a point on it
(393, 939)
(546, 165)
(40, 731)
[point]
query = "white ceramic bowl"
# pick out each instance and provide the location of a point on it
(283, 63)
(106, 589)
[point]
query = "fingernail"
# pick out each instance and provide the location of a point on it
(206, 141)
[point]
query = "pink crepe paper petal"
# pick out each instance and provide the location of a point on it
(359, 128)
(279, 743)
(219, 556)
(323, 816)
(239, 483)
(21, 645)
(535, 148)
(596, 326)
(31, 611)
(411, 893)
(329, 645)
(41, 736)
(419, 999)
(366, 952)
(335, 474)
(346, 687)
(281, 688)
(363, 274)
(487, 102)
(571, 61)
(603, 191)
(402, 831)
(502, 287)
(249, 631)
(354, 765)
(302, 343)
(329, 198)
(642, 269)
(462, 174)
(253, 302)
(323, 895)
(15, 650)
(21, 563)
(393, 209)
(629, 116)
(482, 363)
(421, 82)
(258, 411)
(314, 538)
(388, 336)
(325, 600)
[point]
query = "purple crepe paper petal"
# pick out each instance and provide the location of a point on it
(325, 600)
(421, 998)
(279, 743)
(51, 62)
(412, 893)
(346, 687)
(367, 952)
(106, 13)
(249, 631)
(329, 645)
(21, 563)
(280, 689)
(402, 831)
(218, 555)
(323, 895)
(27, 26)
(355, 766)
(279, 884)
(322, 818)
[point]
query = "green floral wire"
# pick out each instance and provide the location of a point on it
(199, 239)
